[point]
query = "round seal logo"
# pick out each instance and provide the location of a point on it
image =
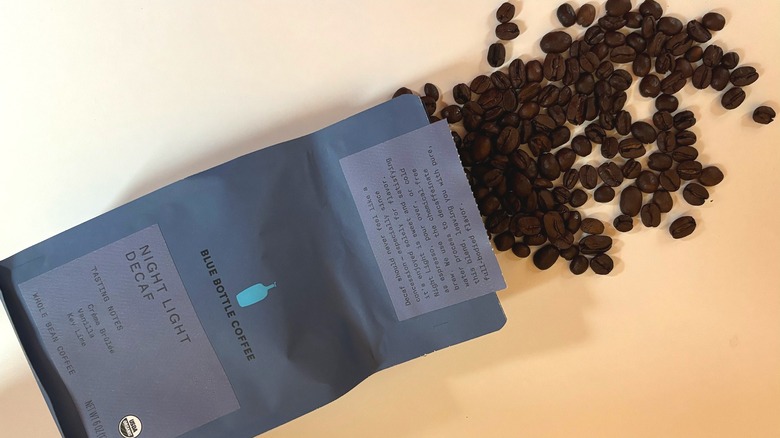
(130, 426)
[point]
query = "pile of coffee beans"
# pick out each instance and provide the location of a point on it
(513, 128)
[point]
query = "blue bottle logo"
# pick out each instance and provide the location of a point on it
(253, 294)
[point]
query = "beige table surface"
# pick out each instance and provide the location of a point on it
(102, 102)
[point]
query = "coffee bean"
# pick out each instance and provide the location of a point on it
(631, 169)
(586, 14)
(617, 8)
(595, 244)
(507, 31)
(546, 256)
(592, 226)
(480, 148)
(593, 36)
(489, 205)
(713, 21)
(602, 264)
(685, 138)
(666, 102)
(535, 240)
(500, 80)
(684, 67)
(452, 113)
(497, 223)
(588, 176)
(733, 98)
(623, 223)
(642, 64)
(630, 201)
(566, 15)
(431, 91)
(764, 115)
(682, 227)
(508, 140)
(570, 252)
(669, 180)
(669, 25)
(461, 93)
(566, 158)
(578, 198)
(650, 215)
(622, 54)
(712, 55)
(633, 19)
(689, 170)
(643, 132)
(694, 54)
(684, 120)
(611, 174)
(730, 60)
(698, 32)
(584, 84)
(659, 161)
(604, 194)
(554, 67)
(401, 91)
(673, 83)
(648, 28)
(555, 42)
(429, 104)
(481, 84)
(496, 55)
(553, 225)
(548, 166)
(534, 71)
(663, 64)
(743, 76)
(647, 181)
(666, 141)
(579, 264)
(570, 178)
(720, 78)
(663, 200)
(595, 133)
(539, 143)
(609, 23)
(685, 153)
(505, 12)
(695, 194)
(521, 250)
(663, 120)
(581, 146)
(651, 8)
(504, 241)
(614, 39)
(609, 147)
(631, 148)
(620, 80)
(710, 176)
(702, 77)
(650, 86)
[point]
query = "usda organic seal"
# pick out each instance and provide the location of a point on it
(130, 426)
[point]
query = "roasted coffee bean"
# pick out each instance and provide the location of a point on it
(520, 184)
(720, 78)
(694, 54)
(584, 84)
(579, 264)
(554, 67)
(553, 225)
(733, 98)
(594, 35)
(622, 54)
(650, 86)
(651, 8)
(481, 84)
(698, 32)
(500, 80)
(549, 167)
(685, 153)
(480, 148)
(673, 83)
(685, 138)
(504, 241)
(636, 41)
(702, 77)
(620, 80)
(648, 28)
(712, 55)
(429, 104)
(535, 240)
(461, 93)
(695, 194)
(570, 252)
(578, 198)
(659, 161)
(493, 177)
(595, 133)
(544, 123)
(669, 180)
(566, 158)
(588, 177)
(452, 113)
(546, 256)
(623, 123)
(611, 174)
(644, 132)
(508, 140)
(529, 225)
(489, 205)
(617, 8)
(505, 12)
(609, 147)
(663, 200)
(509, 119)
(555, 42)
(666, 141)
(682, 227)
(586, 15)
(743, 76)
(669, 25)
(508, 103)
(507, 31)
(650, 214)
(496, 55)
(623, 223)
(666, 102)
(684, 120)
(521, 250)
(581, 145)
(602, 264)
(710, 176)
(566, 15)
(589, 62)
(595, 244)
(631, 169)
(571, 75)
(573, 219)
(539, 143)
(633, 19)
(713, 21)
(497, 223)
(491, 98)
(647, 181)
(609, 23)
(684, 67)
(689, 170)
(499, 161)
(431, 91)
(764, 115)
(548, 96)
(558, 114)
(401, 91)
(592, 226)
(630, 201)
(578, 47)
(730, 60)
(604, 194)
(642, 64)
(570, 178)
(663, 120)
(534, 71)
(528, 110)
(614, 39)
(516, 72)
(631, 148)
